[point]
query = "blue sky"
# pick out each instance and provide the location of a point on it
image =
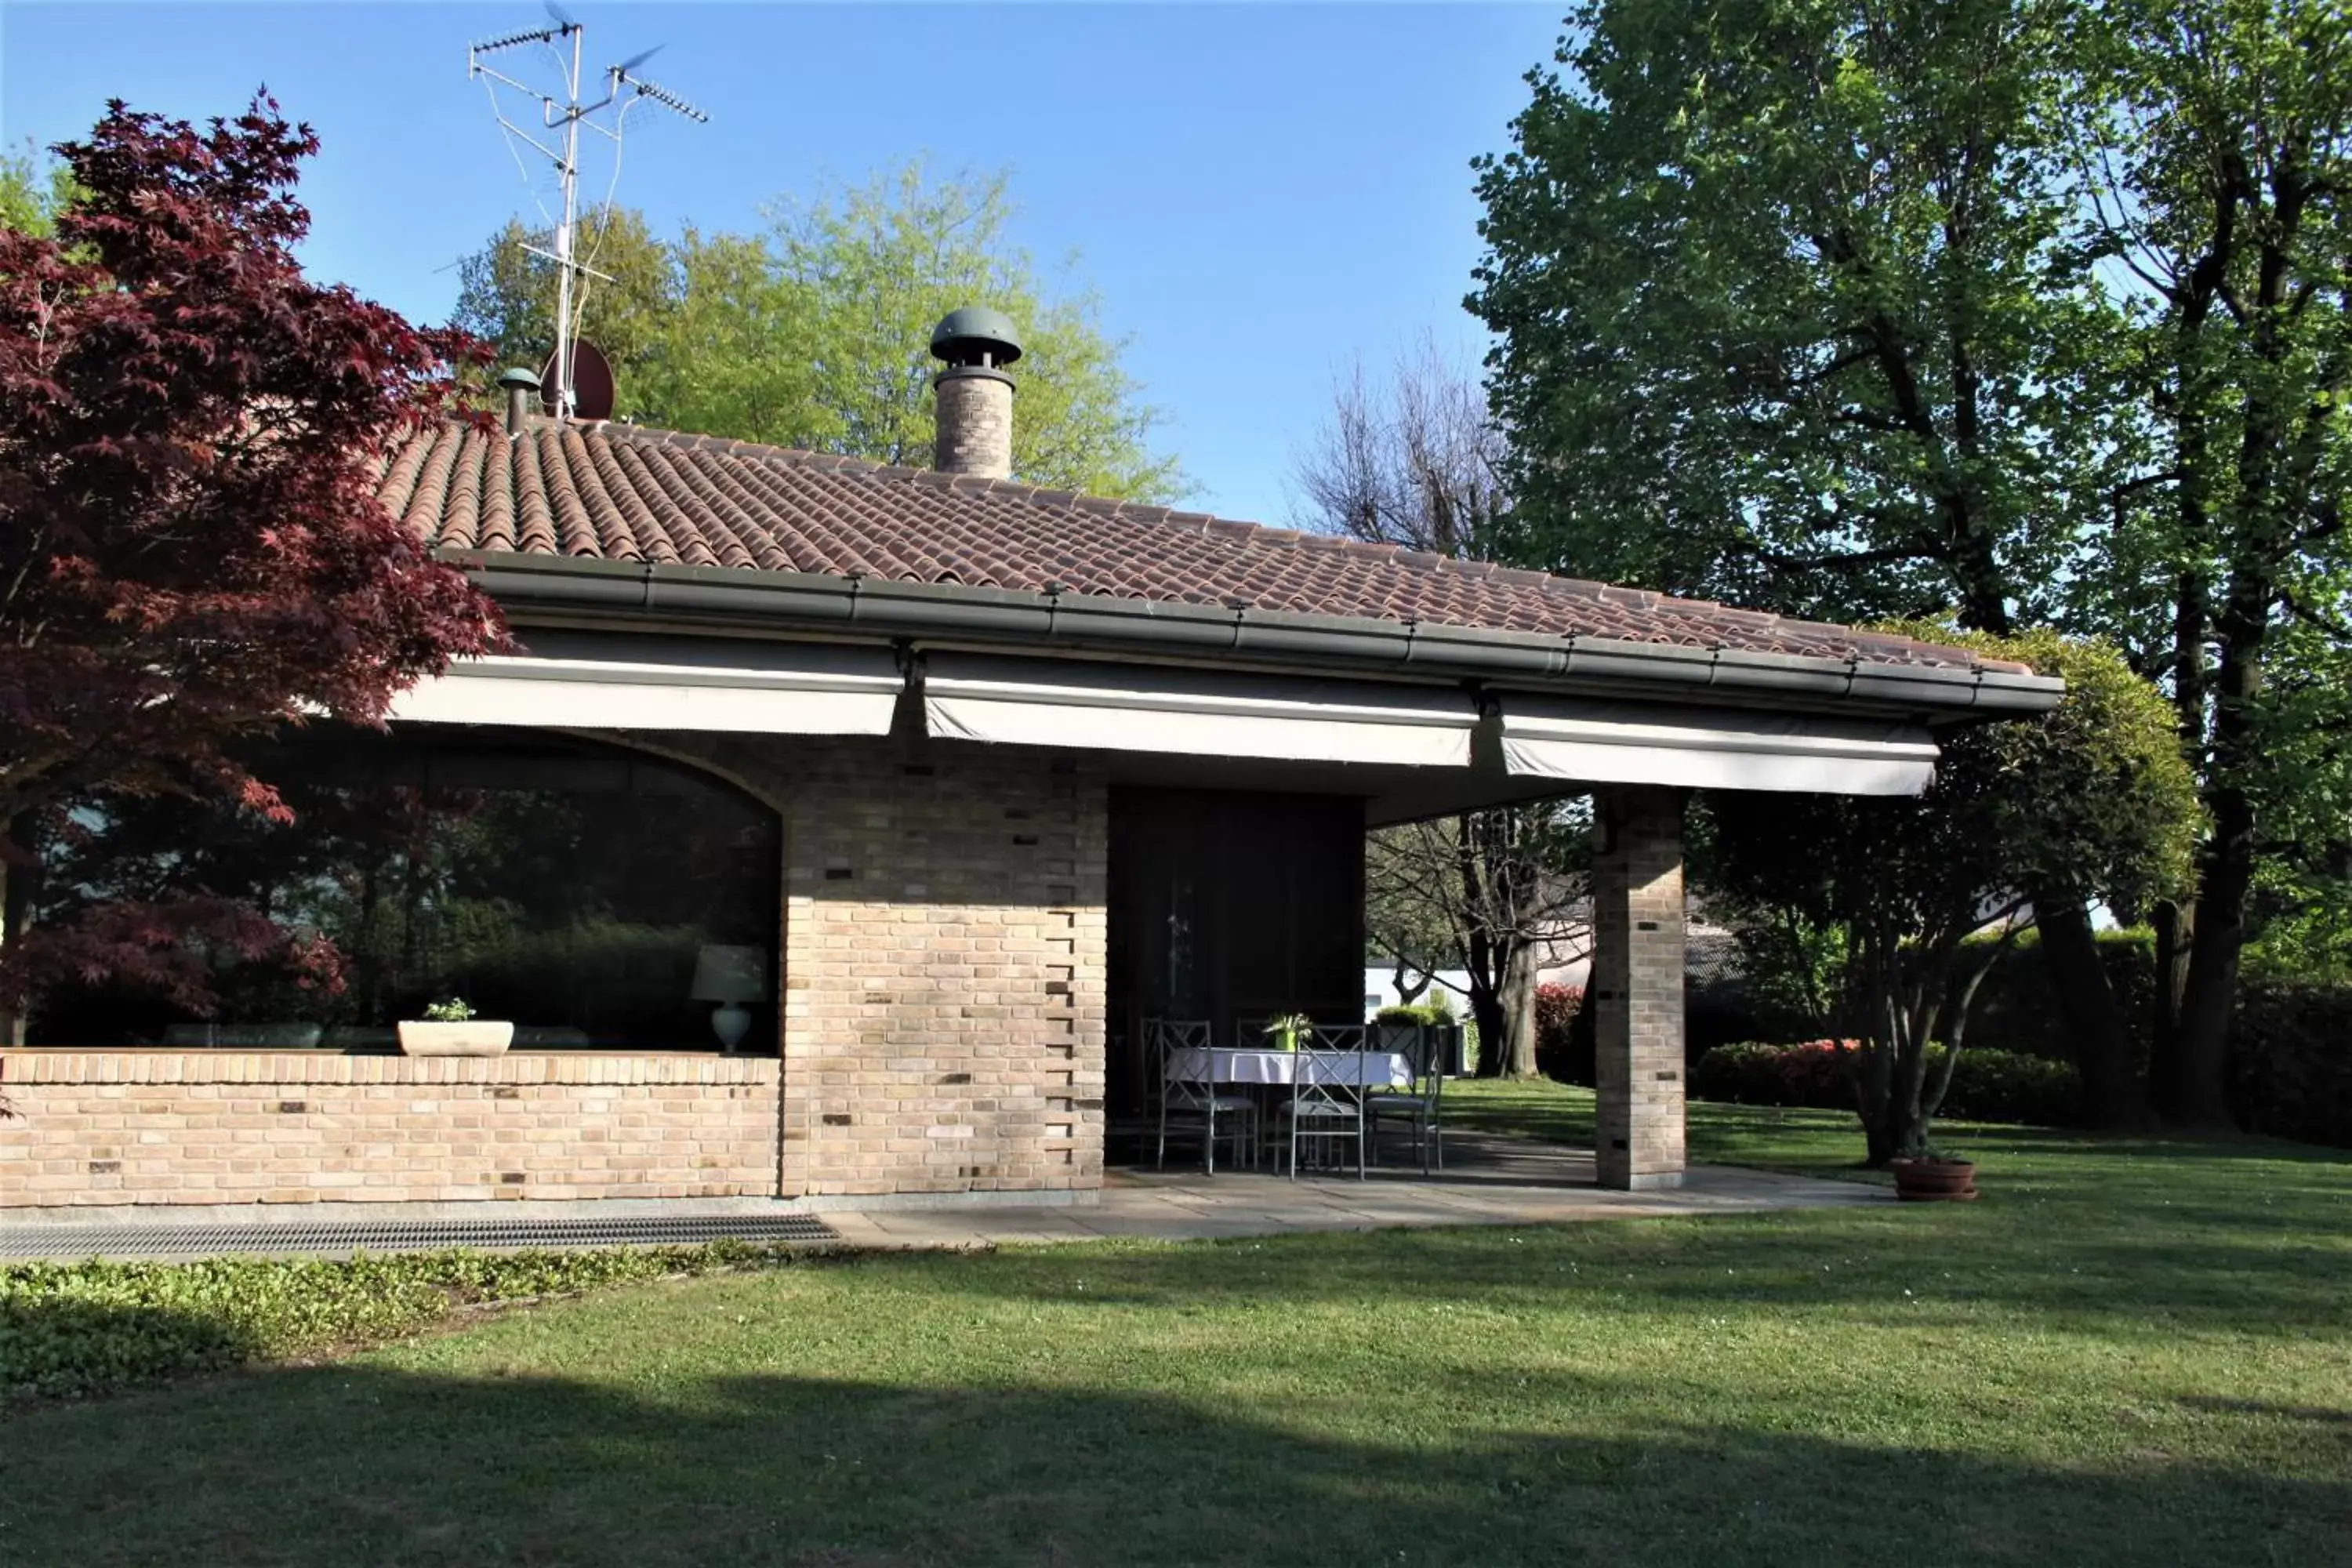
(1259, 193)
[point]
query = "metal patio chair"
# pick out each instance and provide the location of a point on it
(1195, 1107)
(1326, 1107)
(1430, 1049)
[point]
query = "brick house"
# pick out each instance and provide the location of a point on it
(927, 787)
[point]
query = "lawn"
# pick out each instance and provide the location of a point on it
(2130, 1352)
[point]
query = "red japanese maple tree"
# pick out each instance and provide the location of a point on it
(192, 554)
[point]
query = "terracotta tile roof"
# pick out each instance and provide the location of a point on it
(625, 493)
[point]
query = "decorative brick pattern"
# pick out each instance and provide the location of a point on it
(1637, 986)
(222, 1127)
(945, 960)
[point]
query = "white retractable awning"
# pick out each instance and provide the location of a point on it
(770, 688)
(1610, 743)
(1140, 708)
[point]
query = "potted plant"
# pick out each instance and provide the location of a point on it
(1286, 1030)
(450, 1030)
(1932, 1176)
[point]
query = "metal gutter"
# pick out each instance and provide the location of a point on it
(721, 597)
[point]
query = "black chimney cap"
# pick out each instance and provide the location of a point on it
(975, 335)
(515, 377)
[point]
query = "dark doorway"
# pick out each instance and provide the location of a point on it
(1230, 907)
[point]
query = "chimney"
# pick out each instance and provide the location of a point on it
(521, 388)
(974, 395)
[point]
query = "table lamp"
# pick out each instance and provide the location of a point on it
(729, 976)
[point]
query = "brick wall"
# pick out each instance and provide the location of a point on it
(223, 1127)
(1637, 986)
(945, 964)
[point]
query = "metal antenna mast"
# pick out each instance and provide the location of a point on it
(565, 117)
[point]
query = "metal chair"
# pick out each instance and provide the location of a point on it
(1195, 1104)
(1327, 1101)
(1430, 1049)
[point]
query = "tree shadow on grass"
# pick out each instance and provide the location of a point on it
(368, 1465)
(55, 1347)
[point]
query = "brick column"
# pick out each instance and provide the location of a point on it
(1636, 991)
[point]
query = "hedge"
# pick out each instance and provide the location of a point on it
(2291, 1060)
(1557, 1055)
(70, 1330)
(2017, 1007)
(1987, 1085)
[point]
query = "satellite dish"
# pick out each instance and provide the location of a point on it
(592, 383)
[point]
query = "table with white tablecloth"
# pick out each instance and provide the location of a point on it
(1364, 1069)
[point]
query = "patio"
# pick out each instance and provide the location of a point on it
(1489, 1179)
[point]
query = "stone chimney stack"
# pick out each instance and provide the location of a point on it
(973, 394)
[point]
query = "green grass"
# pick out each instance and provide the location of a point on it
(2129, 1351)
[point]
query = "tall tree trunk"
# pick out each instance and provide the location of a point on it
(15, 913)
(2114, 1094)
(1494, 1028)
(2200, 1081)
(1515, 1049)
(2175, 930)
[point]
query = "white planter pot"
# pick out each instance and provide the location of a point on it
(474, 1037)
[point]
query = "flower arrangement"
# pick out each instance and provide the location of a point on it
(1286, 1030)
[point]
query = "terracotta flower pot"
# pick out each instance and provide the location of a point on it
(1935, 1181)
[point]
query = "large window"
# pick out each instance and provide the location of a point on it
(587, 895)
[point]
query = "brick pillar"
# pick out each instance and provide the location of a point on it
(1636, 991)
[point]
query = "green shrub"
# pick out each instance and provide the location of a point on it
(2291, 1058)
(2017, 1006)
(1557, 1055)
(78, 1329)
(2006, 1085)
(1987, 1085)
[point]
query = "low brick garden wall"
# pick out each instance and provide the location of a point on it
(94, 1128)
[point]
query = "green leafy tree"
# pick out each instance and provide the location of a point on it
(2030, 311)
(1787, 306)
(2093, 797)
(2215, 144)
(506, 296)
(815, 333)
(1791, 315)
(33, 190)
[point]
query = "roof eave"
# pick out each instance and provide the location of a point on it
(814, 602)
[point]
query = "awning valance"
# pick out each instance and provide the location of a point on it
(776, 689)
(1139, 708)
(1605, 742)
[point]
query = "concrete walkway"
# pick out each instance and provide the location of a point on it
(1489, 1180)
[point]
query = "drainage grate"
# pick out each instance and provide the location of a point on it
(164, 1241)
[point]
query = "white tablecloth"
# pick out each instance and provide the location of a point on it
(1376, 1070)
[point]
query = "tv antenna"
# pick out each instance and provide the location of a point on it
(557, 139)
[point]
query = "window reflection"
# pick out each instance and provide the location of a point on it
(565, 888)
